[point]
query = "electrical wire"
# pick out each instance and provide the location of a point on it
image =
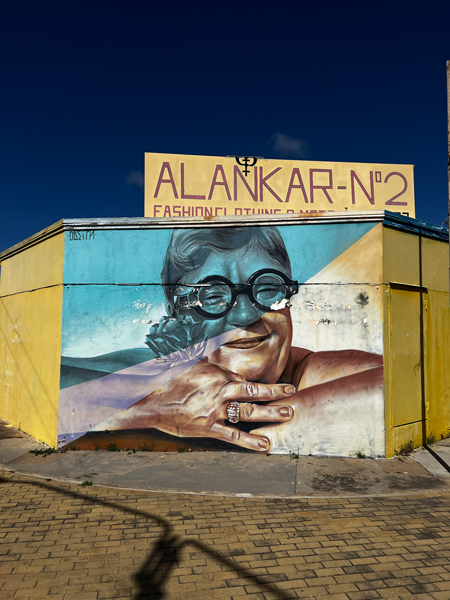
(10, 231)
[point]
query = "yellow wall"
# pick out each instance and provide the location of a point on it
(30, 338)
(403, 367)
(36, 267)
(437, 337)
(400, 257)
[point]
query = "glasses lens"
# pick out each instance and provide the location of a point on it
(182, 296)
(268, 289)
(182, 290)
(215, 298)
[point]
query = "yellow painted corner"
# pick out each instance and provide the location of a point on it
(35, 267)
(30, 355)
(411, 418)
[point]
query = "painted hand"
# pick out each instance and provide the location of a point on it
(195, 405)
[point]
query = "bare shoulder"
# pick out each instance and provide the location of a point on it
(320, 367)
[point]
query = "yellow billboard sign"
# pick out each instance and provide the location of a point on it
(212, 187)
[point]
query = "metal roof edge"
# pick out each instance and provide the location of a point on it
(390, 219)
(411, 225)
(223, 221)
(100, 223)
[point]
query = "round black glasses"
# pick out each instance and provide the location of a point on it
(214, 296)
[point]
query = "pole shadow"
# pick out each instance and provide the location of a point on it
(165, 555)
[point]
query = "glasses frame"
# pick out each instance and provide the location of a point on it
(236, 290)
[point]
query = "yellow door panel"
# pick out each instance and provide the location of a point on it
(406, 368)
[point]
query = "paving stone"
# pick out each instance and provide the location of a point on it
(63, 542)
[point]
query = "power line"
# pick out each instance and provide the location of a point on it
(10, 231)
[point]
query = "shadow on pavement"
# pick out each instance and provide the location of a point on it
(164, 556)
(156, 569)
(436, 456)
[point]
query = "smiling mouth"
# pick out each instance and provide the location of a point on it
(247, 343)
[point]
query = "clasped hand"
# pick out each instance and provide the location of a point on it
(195, 405)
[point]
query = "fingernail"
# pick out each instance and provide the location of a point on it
(289, 389)
(264, 444)
(285, 411)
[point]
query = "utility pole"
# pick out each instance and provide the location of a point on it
(448, 145)
(448, 132)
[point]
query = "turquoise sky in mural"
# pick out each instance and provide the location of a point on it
(313, 248)
(102, 315)
(130, 256)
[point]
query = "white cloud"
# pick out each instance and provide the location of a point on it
(135, 178)
(286, 146)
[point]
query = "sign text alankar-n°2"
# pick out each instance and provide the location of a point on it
(208, 186)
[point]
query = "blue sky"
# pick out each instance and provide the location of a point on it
(87, 88)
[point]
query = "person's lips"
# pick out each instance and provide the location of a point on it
(248, 342)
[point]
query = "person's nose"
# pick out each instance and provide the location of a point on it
(243, 313)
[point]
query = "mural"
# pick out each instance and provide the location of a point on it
(223, 350)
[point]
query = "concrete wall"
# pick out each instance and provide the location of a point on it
(30, 330)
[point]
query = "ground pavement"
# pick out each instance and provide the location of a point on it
(62, 540)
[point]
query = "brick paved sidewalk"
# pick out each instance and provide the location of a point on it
(62, 541)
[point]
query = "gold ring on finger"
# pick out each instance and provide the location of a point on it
(233, 412)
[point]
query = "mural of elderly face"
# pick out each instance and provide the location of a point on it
(221, 363)
(242, 273)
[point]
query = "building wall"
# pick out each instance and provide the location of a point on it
(30, 328)
(36, 267)
(93, 306)
(416, 327)
(437, 338)
(146, 376)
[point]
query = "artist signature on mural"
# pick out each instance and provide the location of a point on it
(81, 235)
